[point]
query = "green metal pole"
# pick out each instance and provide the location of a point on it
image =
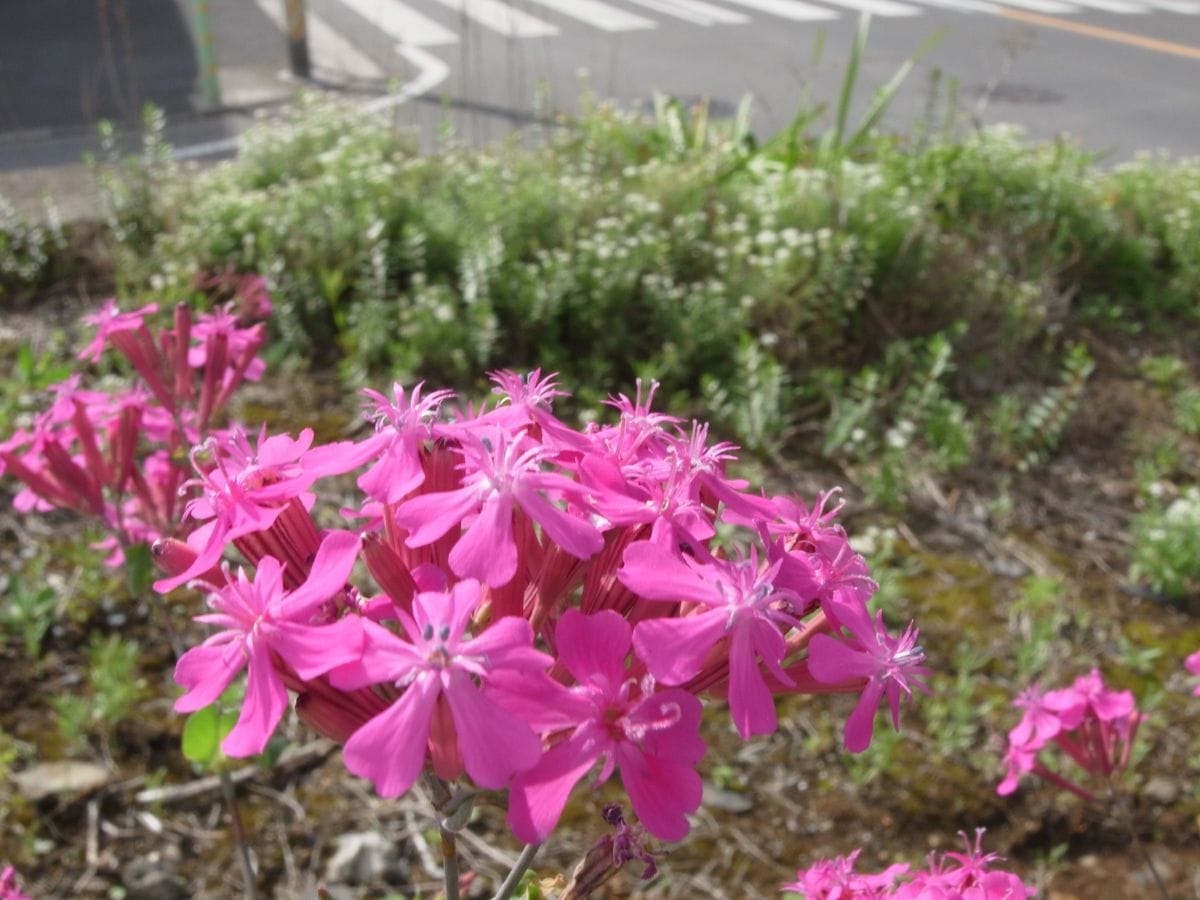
(206, 54)
(297, 31)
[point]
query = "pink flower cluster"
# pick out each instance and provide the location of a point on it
(120, 456)
(1192, 664)
(547, 601)
(9, 889)
(1089, 723)
(953, 876)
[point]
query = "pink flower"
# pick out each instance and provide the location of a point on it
(735, 599)
(109, 321)
(259, 619)
(245, 489)
(9, 889)
(1019, 760)
(651, 736)
(1041, 721)
(401, 426)
(1192, 664)
(952, 876)
(1090, 724)
(835, 879)
(1090, 696)
(502, 472)
(441, 706)
(890, 666)
(964, 876)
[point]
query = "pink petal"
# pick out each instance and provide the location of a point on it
(575, 535)
(537, 699)
(861, 724)
(831, 661)
(494, 743)
(487, 550)
(654, 573)
(674, 650)
(390, 749)
(662, 792)
(751, 705)
(594, 645)
(397, 473)
(209, 541)
(314, 650)
(537, 796)
(266, 700)
(679, 743)
(207, 670)
(427, 517)
(385, 658)
(330, 569)
(464, 600)
(508, 644)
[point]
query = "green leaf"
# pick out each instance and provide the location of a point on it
(225, 724)
(201, 737)
(139, 569)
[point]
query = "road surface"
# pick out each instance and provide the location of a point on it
(1119, 76)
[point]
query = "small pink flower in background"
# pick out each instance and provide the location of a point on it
(951, 876)
(1090, 724)
(969, 876)
(9, 889)
(1192, 664)
(836, 879)
(109, 321)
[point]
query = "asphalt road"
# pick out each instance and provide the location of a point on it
(1119, 76)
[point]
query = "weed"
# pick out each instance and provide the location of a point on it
(29, 613)
(1166, 553)
(1164, 372)
(897, 421)
(113, 691)
(28, 247)
(1187, 411)
(1038, 432)
(1037, 620)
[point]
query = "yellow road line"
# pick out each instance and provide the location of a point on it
(1104, 34)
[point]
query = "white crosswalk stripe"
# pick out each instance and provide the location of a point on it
(403, 23)
(1183, 7)
(965, 6)
(695, 11)
(1050, 7)
(877, 7)
(598, 15)
(329, 47)
(796, 10)
(502, 18)
(1120, 7)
